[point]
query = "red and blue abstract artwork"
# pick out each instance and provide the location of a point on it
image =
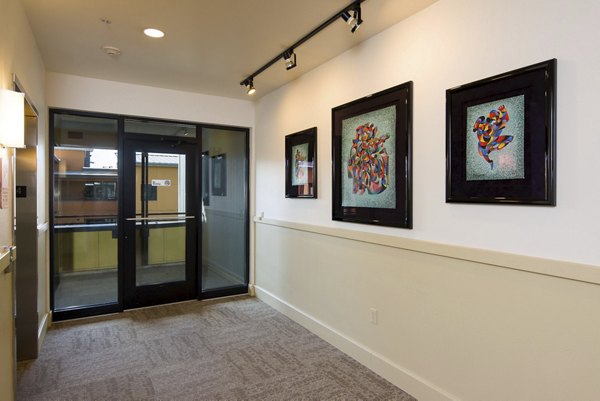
(368, 151)
(368, 164)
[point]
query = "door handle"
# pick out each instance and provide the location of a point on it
(160, 218)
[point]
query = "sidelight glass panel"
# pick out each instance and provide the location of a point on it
(160, 218)
(224, 209)
(85, 211)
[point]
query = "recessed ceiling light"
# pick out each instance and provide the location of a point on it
(154, 33)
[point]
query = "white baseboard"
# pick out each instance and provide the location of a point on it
(394, 373)
(43, 329)
(251, 290)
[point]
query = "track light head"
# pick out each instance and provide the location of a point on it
(249, 84)
(348, 17)
(352, 18)
(289, 57)
(357, 25)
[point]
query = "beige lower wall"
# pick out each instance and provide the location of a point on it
(85, 250)
(43, 304)
(166, 245)
(97, 250)
(448, 327)
(6, 334)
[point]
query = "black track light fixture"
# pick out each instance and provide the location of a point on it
(289, 58)
(352, 17)
(350, 14)
(249, 84)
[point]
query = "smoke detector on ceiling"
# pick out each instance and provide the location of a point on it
(112, 51)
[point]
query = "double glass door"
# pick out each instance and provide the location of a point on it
(145, 212)
(160, 227)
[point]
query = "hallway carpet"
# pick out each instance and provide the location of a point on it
(233, 349)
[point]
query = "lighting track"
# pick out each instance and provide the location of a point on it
(351, 14)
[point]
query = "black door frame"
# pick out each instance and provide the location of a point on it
(89, 310)
(148, 295)
(119, 306)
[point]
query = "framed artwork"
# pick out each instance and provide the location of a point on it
(301, 164)
(205, 180)
(500, 138)
(219, 175)
(372, 162)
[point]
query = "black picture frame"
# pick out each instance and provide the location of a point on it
(362, 177)
(301, 164)
(508, 157)
(219, 175)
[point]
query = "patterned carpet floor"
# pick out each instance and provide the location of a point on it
(234, 349)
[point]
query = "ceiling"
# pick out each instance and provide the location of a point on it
(209, 47)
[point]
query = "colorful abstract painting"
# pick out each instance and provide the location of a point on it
(301, 164)
(495, 140)
(300, 159)
(501, 138)
(368, 148)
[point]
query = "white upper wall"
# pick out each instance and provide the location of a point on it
(19, 55)
(454, 42)
(89, 94)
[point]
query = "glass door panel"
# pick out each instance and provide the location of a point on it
(84, 211)
(160, 222)
(224, 209)
(160, 218)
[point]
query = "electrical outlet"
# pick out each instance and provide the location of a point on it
(373, 315)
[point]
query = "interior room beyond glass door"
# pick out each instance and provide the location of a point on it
(159, 222)
(84, 204)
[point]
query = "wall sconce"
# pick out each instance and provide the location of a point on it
(12, 119)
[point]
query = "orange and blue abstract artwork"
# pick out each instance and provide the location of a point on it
(489, 133)
(495, 140)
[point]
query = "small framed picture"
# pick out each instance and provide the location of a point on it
(500, 138)
(372, 160)
(301, 164)
(219, 175)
